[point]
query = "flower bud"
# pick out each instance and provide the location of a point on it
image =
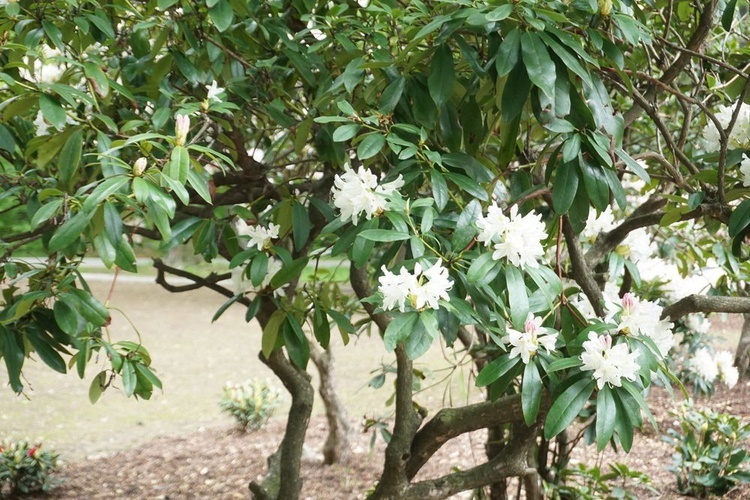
(605, 7)
(181, 128)
(140, 166)
(628, 301)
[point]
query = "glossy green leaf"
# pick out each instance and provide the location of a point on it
(52, 111)
(271, 332)
(606, 414)
(442, 76)
(539, 65)
(45, 213)
(11, 347)
(69, 232)
(383, 235)
(346, 132)
(531, 392)
(518, 298)
(321, 327)
(739, 219)
(43, 345)
(221, 15)
(508, 53)
(567, 406)
(565, 186)
(392, 95)
(399, 329)
(296, 342)
(70, 159)
(371, 145)
(496, 369)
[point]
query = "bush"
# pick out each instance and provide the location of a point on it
(26, 468)
(711, 452)
(251, 403)
(589, 483)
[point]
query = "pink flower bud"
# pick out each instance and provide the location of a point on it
(628, 301)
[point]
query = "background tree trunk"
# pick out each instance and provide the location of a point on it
(336, 447)
(742, 356)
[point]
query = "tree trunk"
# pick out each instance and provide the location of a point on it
(336, 447)
(742, 357)
(496, 440)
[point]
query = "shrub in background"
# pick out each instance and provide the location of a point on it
(251, 403)
(711, 452)
(590, 483)
(26, 467)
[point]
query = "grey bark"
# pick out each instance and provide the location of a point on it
(742, 356)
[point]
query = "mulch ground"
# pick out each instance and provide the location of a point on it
(219, 462)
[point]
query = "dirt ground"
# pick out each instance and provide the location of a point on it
(219, 462)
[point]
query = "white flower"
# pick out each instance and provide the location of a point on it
(181, 129)
(527, 343)
(45, 68)
(357, 192)
(745, 171)
(739, 137)
(596, 225)
(727, 371)
(704, 365)
(642, 317)
(517, 238)
(258, 235)
(214, 91)
(698, 323)
(610, 364)
(636, 247)
(41, 125)
(422, 289)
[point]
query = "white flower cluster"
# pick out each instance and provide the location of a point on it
(739, 137)
(642, 317)
(357, 192)
(421, 289)
(636, 247)
(257, 235)
(526, 343)
(598, 224)
(720, 365)
(609, 363)
(745, 171)
(214, 92)
(517, 238)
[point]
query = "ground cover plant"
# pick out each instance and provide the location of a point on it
(496, 177)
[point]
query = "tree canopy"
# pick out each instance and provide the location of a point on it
(494, 175)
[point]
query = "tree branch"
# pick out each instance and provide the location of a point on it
(211, 281)
(707, 304)
(581, 270)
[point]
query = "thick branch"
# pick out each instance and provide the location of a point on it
(512, 461)
(581, 271)
(707, 304)
(449, 423)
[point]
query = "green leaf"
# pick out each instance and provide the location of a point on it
(728, 15)
(563, 364)
(633, 165)
(200, 184)
(606, 414)
(52, 111)
(271, 332)
(66, 318)
(392, 95)
(496, 369)
(531, 392)
(221, 14)
(466, 228)
(442, 77)
(500, 13)
(225, 306)
(296, 342)
(539, 65)
(565, 186)
(43, 345)
(289, 272)
(346, 132)
(515, 94)
(371, 145)
(636, 394)
(439, 189)
(421, 336)
(483, 269)
(109, 186)
(129, 378)
(739, 219)
(178, 165)
(301, 225)
(467, 184)
(68, 232)
(88, 306)
(97, 77)
(623, 424)
(383, 235)
(98, 384)
(321, 327)
(518, 299)
(70, 159)
(567, 406)
(399, 329)
(13, 355)
(148, 374)
(508, 53)
(258, 268)
(45, 213)
(344, 324)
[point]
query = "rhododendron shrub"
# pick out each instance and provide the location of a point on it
(495, 176)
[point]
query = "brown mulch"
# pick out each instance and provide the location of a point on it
(219, 462)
